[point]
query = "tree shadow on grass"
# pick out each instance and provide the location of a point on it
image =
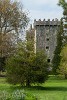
(59, 88)
(50, 88)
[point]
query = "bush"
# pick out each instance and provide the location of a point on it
(26, 67)
(16, 95)
(63, 64)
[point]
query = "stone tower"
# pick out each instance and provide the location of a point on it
(46, 36)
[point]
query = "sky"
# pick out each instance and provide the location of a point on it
(42, 9)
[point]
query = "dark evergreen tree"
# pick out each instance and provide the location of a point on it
(26, 67)
(63, 4)
(63, 63)
(61, 36)
(57, 57)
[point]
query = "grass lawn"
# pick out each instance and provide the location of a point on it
(52, 89)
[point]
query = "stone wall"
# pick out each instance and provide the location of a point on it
(46, 35)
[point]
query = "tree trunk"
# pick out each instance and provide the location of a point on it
(65, 76)
(28, 83)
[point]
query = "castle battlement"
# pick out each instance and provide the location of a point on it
(49, 22)
(46, 36)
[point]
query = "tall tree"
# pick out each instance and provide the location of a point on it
(13, 19)
(26, 67)
(30, 37)
(63, 4)
(63, 64)
(61, 36)
(57, 57)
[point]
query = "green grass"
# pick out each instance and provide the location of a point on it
(53, 89)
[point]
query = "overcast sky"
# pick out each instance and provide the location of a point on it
(42, 9)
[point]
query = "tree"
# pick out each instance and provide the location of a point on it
(30, 37)
(63, 64)
(57, 57)
(63, 4)
(61, 36)
(13, 20)
(26, 67)
(40, 67)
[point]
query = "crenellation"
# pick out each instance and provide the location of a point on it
(45, 36)
(48, 22)
(39, 20)
(46, 29)
(44, 20)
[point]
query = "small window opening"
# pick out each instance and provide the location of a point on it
(47, 47)
(47, 39)
(48, 60)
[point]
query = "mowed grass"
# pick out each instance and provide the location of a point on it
(53, 89)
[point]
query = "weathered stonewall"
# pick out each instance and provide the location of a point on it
(46, 36)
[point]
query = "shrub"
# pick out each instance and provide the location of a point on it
(16, 95)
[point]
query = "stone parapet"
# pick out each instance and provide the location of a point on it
(40, 22)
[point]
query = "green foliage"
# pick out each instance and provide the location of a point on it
(54, 89)
(2, 63)
(13, 20)
(63, 63)
(16, 95)
(40, 67)
(63, 4)
(26, 67)
(57, 57)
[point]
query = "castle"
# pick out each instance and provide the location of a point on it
(45, 36)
